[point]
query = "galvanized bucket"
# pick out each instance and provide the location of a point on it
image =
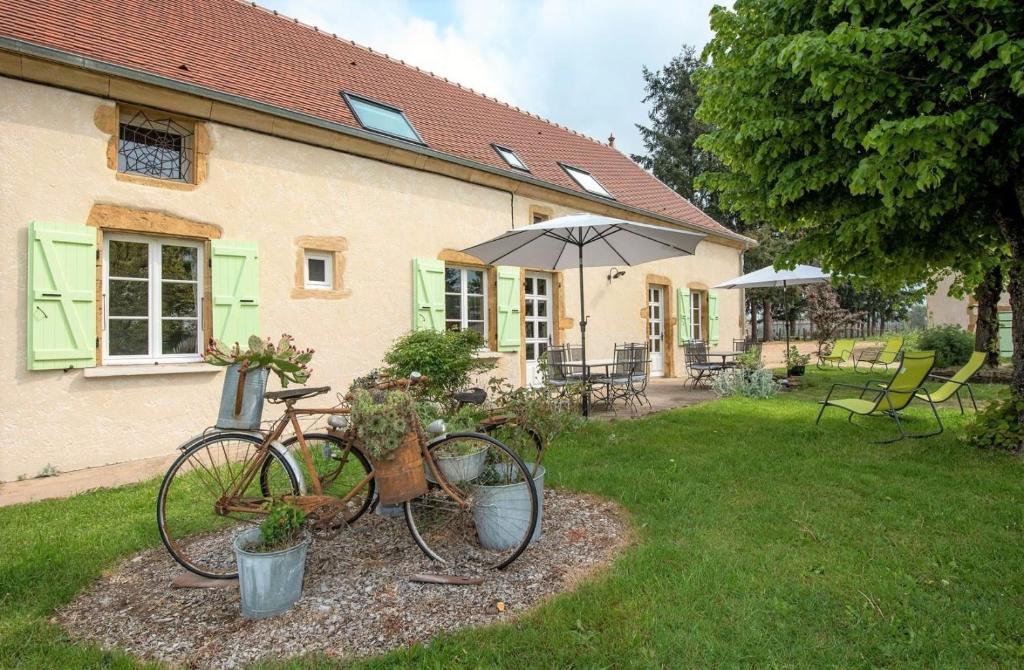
(241, 404)
(459, 468)
(502, 513)
(269, 583)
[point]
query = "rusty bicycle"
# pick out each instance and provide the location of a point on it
(468, 499)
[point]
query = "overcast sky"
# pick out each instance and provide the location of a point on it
(574, 62)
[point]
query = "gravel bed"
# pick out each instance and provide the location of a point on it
(357, 599)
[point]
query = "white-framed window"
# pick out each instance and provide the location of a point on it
(319, 270)
(465, 299)
(152, 299)
(696, 312)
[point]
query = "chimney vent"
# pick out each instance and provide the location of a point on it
(611, 140)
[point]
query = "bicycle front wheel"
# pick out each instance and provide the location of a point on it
(201, 505)
(494, 521)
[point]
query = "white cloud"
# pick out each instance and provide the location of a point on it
(576, 63)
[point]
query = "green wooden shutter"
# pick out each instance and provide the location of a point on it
(509, 325)
(1005, 334)
(235, 288)
(713, 317)
(683, 315)
(61, 296)
(427, 294)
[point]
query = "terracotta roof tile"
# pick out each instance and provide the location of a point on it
(237, 48)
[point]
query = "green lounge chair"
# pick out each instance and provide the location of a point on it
(892, 397)
(884, 357)
(958, 381)
(842, 352)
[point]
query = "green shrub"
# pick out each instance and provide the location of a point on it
(758, 384)
(447, 358)
(952, 345)
(998, 426)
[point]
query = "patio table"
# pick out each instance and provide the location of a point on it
(724, 355)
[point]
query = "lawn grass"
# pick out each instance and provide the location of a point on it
(762, 540)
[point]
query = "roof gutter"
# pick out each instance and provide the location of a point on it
(103, 67)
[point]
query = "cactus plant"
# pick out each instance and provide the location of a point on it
(283, 359)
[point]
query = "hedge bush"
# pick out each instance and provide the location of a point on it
(952, 345)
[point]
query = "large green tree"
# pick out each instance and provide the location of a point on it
(885, 136)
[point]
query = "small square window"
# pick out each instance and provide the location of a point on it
(319, 272)
(153, 145)
(381, 118)
(511, 157)
(586, 181)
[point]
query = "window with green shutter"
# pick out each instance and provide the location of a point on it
(713, 317)
(427, 294)
(509, 323)
(683, 315)
(235, 289)
(1006, 334)
(61, 296)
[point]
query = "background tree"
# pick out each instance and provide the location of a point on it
(670, 141)
(885, 137)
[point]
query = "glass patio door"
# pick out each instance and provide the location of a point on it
(538, 322)
(656, 329)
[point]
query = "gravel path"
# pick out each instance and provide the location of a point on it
(357, 599)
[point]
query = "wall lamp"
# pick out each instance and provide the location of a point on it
(615, 273)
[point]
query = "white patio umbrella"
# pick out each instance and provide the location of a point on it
(585, 240)
(769, 277)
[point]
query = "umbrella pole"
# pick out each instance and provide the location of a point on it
(583, 331)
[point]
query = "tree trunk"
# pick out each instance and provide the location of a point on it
(1011, 222)
(753, 320)
(766, 307)
(986, 331)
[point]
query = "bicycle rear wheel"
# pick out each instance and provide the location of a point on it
(193, 515)
(495, 523)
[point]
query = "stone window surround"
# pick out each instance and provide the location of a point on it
(336, 247)
(107, 119)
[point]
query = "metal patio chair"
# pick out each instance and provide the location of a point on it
(698, 367)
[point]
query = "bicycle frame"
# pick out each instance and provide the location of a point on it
(233, 502)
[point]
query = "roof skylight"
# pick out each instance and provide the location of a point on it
(381, 118)
(510, 157)
(586, 181)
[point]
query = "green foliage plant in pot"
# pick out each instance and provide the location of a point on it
(533, 419)
(796, 363)
(241, 404)
(272, 562)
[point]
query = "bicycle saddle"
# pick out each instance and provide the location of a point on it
(295, 394)
(473, 396)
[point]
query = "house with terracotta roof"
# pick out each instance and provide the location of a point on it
(173, 171)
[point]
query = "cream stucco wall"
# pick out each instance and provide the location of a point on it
(269, 190)
(944, 309)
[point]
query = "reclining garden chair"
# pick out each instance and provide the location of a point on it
(886, 356)
(842, 352)
(892, 397)
(958, 381)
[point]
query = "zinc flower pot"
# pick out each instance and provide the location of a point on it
(241, 400)
(269, 582)
(501, 513)
(458, 468)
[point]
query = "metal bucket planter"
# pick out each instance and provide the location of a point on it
(459, 468)
(269, 583)
(241, 401)
(502, 513)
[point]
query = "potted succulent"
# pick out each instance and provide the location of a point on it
(272, 562)
(387, 427)
(796, 363)
(241, 401)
